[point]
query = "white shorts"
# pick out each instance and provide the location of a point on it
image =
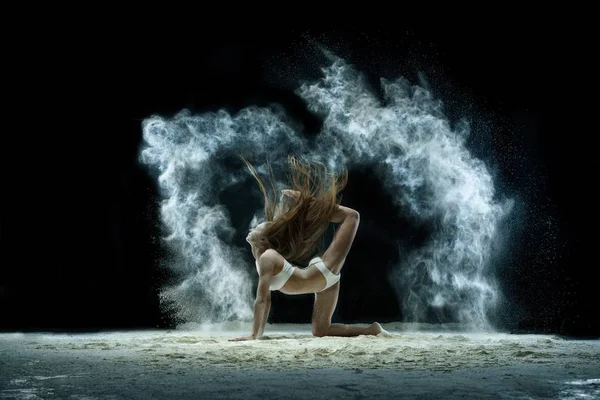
(330, 277)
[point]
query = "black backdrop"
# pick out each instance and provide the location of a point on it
(80, 225)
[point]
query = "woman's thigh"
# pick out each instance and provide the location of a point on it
(335, 255)
(325, 303)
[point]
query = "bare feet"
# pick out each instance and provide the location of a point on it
(375, 328)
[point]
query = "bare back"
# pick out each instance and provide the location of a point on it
(309, 279)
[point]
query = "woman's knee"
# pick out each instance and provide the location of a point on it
(320, 331)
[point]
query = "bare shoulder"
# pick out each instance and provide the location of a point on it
(269, 259)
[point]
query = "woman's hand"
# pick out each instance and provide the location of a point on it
(240, 339)
(294, 194)
(291, 193)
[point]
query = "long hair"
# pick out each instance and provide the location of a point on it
(294, 227)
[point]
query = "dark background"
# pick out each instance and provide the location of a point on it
(80, 227)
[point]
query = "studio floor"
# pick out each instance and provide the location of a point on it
(289, 363)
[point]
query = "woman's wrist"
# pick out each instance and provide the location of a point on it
(291, 193)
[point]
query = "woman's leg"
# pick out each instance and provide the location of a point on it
(335, 255)
(325, 303)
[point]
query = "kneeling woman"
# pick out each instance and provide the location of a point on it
(289, 237)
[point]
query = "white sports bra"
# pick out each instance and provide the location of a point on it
(277, 281)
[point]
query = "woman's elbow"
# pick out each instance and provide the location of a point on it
(352, 213)
(262, 300)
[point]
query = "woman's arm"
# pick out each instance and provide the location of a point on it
(262, 304)
(260, 320)
(342, 213)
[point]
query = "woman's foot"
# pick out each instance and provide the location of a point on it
(375, 328)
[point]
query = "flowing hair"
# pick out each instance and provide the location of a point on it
(294, 227)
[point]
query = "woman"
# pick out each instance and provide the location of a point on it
(289, 236)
